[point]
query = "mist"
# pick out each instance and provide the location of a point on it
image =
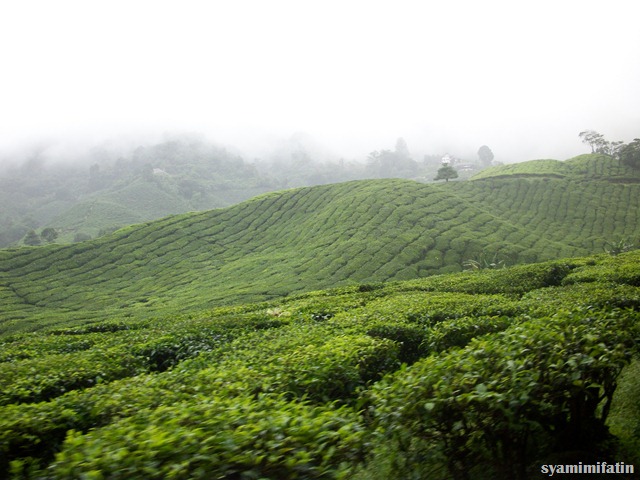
(524, 79)
(508, 145)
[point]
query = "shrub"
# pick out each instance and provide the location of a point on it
(81, 237)
(41, 379)
(244, 438)
(460, 331)
(509, 398)
(409, 338)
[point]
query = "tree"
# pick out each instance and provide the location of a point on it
(630, 153)
(81, 237)
(486, 155)
(386, 163)
(374, 161)
(147, 171)
(402, 150)
(594, 139)
(397, 163)
(188, 188)
(599, 144)
(615, 148)
(446, 172)
(32, 238)
(49, 234)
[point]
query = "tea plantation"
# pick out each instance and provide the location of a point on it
(320, 237)
(479, 374)
(366, 330)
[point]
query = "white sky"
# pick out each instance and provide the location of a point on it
(524, 77)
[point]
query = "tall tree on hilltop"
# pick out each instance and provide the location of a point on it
(486, 155)
(594, 139)
(599, 144)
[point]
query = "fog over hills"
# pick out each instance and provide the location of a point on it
(447, 77)
(286, 95)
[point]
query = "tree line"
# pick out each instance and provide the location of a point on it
(628, 153)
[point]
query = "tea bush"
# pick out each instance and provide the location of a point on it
(243, 437)
(483, 372)
(508, 398)
(41, 379)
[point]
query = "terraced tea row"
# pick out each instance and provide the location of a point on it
(590, 167)
(308, 385)
(581, 216)
(310, 238)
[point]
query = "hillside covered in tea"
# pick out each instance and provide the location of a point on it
(318, 237)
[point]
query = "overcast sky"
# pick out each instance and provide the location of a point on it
(524, 77)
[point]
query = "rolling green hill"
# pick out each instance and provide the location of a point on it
(318, 237)
(106, 190)
(136, 202)
(111, 186)
(583, 167)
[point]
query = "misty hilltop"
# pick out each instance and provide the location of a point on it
(72, 198)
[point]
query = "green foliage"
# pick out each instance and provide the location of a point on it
(49, 234)
(622, 271)
(459, 332)
(125, 356)
(582, 168)
(513, 281)
(411, 339)
(243, 437)
(624, 417)
(446, 172)
(616, 247)
(630, 154)
(507, 367)
(486, 155)
(32, 238)
(484, 261)
(41, 379)
(81, 237)
(531, 168)
(502, 415)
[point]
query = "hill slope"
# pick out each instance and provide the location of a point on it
(312, 238)
(584, 202)
(582, 167)
(112, 186)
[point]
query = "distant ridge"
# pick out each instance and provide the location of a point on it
(589, 167)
